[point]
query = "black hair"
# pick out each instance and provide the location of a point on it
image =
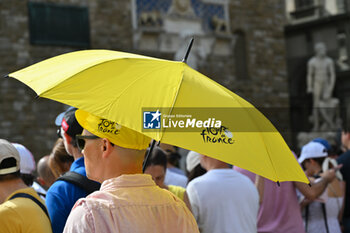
(157, 157)
(317, 160)
(195, 172)
(173, 158)
(27, 178)
(74, 142)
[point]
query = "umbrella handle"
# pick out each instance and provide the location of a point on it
(188, 50)
(147, 156)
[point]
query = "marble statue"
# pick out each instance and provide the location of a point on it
(320, 83)
(182, 8)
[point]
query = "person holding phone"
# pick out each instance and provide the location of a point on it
(321, 214)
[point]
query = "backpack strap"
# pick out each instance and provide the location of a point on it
(81, 181)
(323, 205)
(41, 194)
(25, 195)
(306, 217)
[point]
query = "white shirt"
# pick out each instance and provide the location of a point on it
(40, 190)
(173, 178)
(224, 200)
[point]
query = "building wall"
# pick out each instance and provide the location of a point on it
(30, 121)
(263, 24)
(267, 87)
(23, 118)
(322, 8)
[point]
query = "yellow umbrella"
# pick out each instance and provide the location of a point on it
(169, 102)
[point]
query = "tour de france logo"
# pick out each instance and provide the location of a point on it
(221, 135)
(107, 126)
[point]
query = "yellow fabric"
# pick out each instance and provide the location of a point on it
(117, 86)
(117, 134)
(23, 215)
(177, 191)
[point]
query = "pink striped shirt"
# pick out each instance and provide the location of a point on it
(130, 203)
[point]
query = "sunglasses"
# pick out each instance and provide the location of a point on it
(81, 140)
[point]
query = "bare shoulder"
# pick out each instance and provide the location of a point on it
(329, 60)
(311, 61)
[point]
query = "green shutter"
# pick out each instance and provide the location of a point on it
(52, 24)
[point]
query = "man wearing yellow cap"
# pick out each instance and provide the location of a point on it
(128, 200)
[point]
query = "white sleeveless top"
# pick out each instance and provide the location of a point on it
(316, 223)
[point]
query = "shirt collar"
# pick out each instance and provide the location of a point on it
(123, 181)
(221, 171)
(77, 163)
(28, 190)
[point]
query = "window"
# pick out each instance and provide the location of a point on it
(240, 55)
(53, 24)
(302, 4)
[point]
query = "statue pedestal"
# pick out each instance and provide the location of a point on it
(177, 25)
(173, 32)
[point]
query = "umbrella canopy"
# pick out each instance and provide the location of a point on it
(169, 102)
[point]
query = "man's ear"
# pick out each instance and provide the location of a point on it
(106, 147)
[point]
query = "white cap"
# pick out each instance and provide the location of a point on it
(27, 164)
(192, 160)
(7, 150)
(312, 150)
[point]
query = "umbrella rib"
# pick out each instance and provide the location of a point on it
(227, 91)
(267, 150)
(135, 81)
(175, 98)
(273, 166)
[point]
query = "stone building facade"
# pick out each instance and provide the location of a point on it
(243, 43)
(309, 23)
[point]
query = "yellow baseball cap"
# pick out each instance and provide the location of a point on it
(117, 134)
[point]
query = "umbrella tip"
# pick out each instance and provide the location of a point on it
(6, 76)
(188, 50)
(37, 97)
(278, 184)
(309, 184)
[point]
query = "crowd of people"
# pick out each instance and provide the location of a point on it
(93, 181)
